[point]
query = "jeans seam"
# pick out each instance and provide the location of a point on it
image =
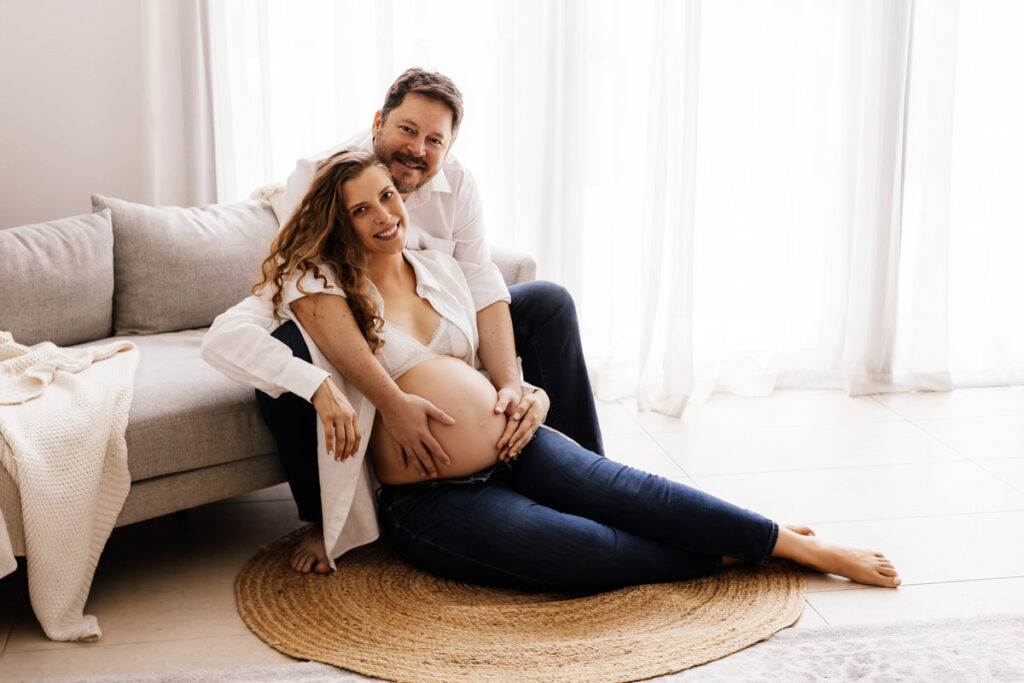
(767, 555)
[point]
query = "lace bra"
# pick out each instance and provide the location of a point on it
(401, 351)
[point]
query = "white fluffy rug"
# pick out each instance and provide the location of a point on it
(968, 650)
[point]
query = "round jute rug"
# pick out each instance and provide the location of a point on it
(382, 617)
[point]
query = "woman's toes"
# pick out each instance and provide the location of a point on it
(302, 562)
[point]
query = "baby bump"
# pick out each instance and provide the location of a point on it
(466, 395)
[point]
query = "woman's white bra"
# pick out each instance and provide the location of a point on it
(401, 351)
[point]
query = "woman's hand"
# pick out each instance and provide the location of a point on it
(407, 420)
(341, 424)
(524, 422)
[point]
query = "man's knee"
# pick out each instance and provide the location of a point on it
(289, 334)
(542, 300)
(287, 408)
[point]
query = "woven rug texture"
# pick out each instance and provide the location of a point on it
(381, 617)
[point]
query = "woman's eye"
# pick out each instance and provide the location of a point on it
(387, 195)
(358, 211)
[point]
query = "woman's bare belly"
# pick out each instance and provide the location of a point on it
(466, 395)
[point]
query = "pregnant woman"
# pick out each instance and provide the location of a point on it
(516, 504)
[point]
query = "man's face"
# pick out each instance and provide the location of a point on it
(414, 140)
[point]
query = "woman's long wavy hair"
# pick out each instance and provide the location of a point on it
(320, 236)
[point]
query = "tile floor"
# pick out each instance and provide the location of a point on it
(934, 480)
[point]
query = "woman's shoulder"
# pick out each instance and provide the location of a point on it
(317, 280)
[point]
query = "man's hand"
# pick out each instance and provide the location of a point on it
(341, 424)
(508, 398)
(527, 417)
(407, 420)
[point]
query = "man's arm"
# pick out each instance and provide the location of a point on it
(491, 299)
(329, 321)
(239, 345)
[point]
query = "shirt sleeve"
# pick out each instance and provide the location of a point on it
(297, 186)
(239, 344)
(471, 250)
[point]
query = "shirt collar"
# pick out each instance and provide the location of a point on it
(439, 183)
(424, 277)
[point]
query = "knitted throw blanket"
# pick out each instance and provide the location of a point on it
(63, 414)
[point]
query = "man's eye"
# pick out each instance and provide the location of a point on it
(407, 129)
(436, 141)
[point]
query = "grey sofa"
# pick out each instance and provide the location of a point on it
(160, 275)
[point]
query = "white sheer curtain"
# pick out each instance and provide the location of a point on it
(177, 112)
(741, 195)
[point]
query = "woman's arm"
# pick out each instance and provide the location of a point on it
(329, 321)
(498, 353)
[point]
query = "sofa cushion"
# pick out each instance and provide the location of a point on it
(186, 415)
(178, 268)
(57, 280)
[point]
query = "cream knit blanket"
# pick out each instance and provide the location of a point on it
(63, 414)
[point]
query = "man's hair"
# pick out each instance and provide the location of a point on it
(430, 84)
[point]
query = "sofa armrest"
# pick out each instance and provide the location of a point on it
(515, 266)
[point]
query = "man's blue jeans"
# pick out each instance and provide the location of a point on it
(547, 338)
(561, 518)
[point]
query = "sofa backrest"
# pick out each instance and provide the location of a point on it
(57, 280)
(178, 268)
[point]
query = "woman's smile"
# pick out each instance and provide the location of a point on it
(390, 233)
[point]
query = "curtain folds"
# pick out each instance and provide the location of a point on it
(741, 196)
(177, 126)
(883, 81)
(666, 334)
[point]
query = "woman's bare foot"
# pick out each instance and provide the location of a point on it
(863, 566)
(310, 554)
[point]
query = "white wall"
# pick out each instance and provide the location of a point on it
(70, 106)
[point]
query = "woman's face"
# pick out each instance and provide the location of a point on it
(376, 211)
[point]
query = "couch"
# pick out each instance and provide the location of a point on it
(159, 275)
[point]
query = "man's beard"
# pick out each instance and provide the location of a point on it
(404, 187)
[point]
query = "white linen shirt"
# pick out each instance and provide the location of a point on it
(446, 215)
(347, 487)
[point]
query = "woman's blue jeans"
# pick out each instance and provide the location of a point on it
(562, 518)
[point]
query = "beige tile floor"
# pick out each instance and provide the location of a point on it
(934, 480)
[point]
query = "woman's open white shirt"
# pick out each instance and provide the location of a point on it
(347, 488)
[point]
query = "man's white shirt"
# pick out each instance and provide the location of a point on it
(446, 215)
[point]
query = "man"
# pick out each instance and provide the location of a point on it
(412, 133)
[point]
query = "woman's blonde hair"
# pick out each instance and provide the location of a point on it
(320, 236)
